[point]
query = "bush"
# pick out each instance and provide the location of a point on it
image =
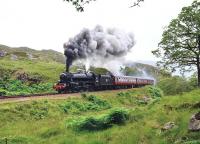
(91, 103)
(17, 87)
(174, 85)
(3, 92)
(97, 101)
(91, 124)
(153, 91)
(74, 106)
(84, 95)
(41, 88)
(116, 116)
(193, 81)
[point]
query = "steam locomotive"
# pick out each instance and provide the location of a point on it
(89, 81)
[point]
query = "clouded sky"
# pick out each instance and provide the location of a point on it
(47, 24)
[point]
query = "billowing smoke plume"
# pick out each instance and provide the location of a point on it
(98, 46)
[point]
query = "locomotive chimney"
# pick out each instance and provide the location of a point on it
(67, 65)
(67, 69)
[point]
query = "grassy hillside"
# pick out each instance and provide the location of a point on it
(85, 119)
(25, 53)
(45, 65)
(48, 71)
(25, 71)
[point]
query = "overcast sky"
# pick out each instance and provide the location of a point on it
(47, 24)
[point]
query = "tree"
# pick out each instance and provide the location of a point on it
(180, 43)
(175, 85)
(80, 4)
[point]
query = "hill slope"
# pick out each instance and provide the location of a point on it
(25, 53)
(26, 71)
(45, 65)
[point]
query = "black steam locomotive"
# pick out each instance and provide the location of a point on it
(89, 81)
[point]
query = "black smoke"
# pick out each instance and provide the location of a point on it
(98, 45)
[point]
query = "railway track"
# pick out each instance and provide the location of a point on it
(26, 96)
(48, 94)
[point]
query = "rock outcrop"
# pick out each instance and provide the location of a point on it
(168, 126)
(3, 53)
(194, 124)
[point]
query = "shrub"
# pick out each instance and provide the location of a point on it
(116, 116)
(73, 106)
(175, 85)
(153, 91)
(91, 103)
(17, 87)
(41, 88)
(84, 95)
(97, 101)
(193, 81)
(91, 124)
(3, 92)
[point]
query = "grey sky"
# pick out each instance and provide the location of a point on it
(47, 24)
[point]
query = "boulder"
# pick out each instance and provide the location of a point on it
(30, 56)
(194, 124)
(3, 53)
(146, 99)
(13, 57)
(168, 125)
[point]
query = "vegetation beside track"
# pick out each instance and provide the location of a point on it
(127, 116)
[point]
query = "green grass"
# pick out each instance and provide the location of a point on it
(44, 121)
(40, 76)
(48, 71)
(16, 87)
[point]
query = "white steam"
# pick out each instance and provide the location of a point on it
(99, 47)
